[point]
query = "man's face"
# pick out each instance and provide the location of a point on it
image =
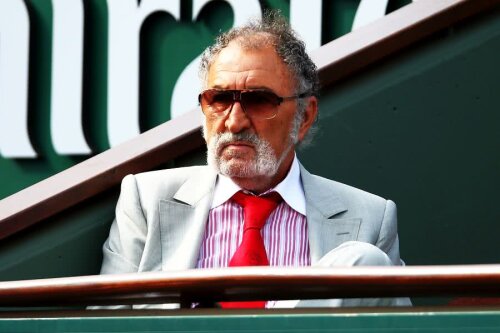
(244, 147)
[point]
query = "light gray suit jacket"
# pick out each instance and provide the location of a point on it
(161, 217)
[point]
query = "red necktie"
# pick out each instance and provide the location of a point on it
(251, 251)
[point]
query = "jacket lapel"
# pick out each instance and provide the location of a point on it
(326, 229)
(183, 219)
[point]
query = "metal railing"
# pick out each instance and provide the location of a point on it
(253, 283)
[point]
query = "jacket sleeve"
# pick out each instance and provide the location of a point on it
(123, 249)
(388, 236)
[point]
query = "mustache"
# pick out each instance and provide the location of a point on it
(223, 139)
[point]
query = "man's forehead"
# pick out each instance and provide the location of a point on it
(236, 66)
(258, 43)
(235, 57)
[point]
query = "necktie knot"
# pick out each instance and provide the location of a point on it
(256, 209)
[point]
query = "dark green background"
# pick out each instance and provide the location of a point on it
(423, 129)
(428, 322)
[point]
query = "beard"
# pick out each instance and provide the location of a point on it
(264, 162)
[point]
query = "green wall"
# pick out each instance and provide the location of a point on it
(423, 129)
(428, 322)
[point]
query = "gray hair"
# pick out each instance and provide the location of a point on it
(275, 31)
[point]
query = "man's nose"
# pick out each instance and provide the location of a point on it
(237, 120)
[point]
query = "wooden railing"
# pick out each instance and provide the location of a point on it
(251, 283)
(336, 61)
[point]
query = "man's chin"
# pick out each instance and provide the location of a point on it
(240, 168)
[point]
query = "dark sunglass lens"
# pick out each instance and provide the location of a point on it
(217, 100)
(259, 101)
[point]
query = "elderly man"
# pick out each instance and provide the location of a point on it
(254, 204)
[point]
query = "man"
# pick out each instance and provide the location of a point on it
(259, 102)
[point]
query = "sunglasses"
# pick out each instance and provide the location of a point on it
(256, 103)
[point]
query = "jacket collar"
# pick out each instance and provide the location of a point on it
(197, 187)
(321, 195)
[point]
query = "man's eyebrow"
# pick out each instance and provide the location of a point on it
(260, 88)
(224, 87)
(218, 86)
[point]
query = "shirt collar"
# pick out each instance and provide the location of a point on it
(290, 189)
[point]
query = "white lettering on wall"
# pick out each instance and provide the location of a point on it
(67, 63)
(14, 63)
(187, 87)
(125, 20)
(305, 19)
(369, 11)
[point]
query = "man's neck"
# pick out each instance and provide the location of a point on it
(256, 185)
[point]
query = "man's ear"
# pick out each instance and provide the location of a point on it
(310, 115)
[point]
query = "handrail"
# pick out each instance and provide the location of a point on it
(336, 60)
(251, 283)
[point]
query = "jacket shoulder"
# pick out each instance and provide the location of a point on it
(346, 191)
(163, 184)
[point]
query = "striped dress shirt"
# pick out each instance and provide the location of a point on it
(284, 233)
